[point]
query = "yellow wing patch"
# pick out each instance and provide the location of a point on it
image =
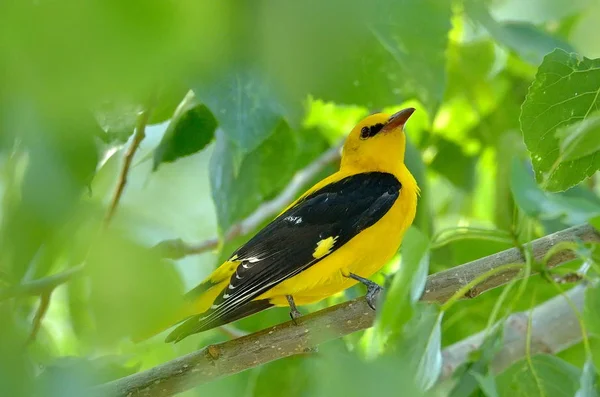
(225, 271)
(324, 247)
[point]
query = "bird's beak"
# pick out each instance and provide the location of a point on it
(398, 119)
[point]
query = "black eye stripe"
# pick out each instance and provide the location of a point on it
(367, 132)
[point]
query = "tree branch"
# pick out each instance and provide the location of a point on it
(177, 249)
(441, 286)
(138, 137)
(287, 339)
(555, 315)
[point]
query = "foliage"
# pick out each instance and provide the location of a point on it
(242, 95)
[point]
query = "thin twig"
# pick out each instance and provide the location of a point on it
(42, 285)
(287, 339)
(39, 315)
(177, 248)
(138, 137)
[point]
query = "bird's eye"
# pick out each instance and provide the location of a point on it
(364, 133)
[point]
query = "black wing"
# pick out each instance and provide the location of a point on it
(286, 246)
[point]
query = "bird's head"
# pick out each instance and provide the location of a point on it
(377, 143)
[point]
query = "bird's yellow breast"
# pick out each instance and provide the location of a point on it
(363, 255)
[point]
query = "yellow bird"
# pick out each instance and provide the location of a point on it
(339, 232)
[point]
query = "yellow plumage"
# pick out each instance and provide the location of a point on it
(376, 146)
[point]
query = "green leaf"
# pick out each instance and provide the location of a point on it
(591, 310)
(406, 288)
(547, 376)
(475, 372)
(414, 162)
(346, 374)
(61, 162)
(190, 130)
(117, 119)
(451, 162)
(78, 306)
(569, 209)
(538, 11)
(565, 90)
(487, 384)
(595, 222)
(167, 102)
(133, 292)
(239, 185)
(245, 105)
(415, 67)
(580, 139)
(378, 61)
(18, 370)
(589, 381)
(295, 376)
(525, 39)
(82, 372)
(420, 344)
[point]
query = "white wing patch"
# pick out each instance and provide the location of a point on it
(296, 220)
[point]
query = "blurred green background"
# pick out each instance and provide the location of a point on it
(241, 95)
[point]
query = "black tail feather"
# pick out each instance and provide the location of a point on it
(195, 323)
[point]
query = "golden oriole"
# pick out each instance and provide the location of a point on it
(338, 233)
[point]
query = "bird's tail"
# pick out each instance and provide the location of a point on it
(166, 323)
(195, 324)
(196, 302)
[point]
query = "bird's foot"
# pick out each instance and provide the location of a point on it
(372, 295)
(373, 290)
(294, 312)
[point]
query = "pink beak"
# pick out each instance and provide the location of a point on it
(398, 119)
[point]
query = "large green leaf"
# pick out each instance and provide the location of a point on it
(591, 310)
(420, 344)
(451, 162)
(346, 374)
(566, 90)
(406, 288)
(367, 55)
(245, 105)
(589, 381)
(133, 292)
(570, 209)
(295, 376)
(190, 130)
(537, 11)
(406, 57)
(62, 158)
(117, 119)
(239, 185)
(546, 376)
(414, 162)
(525, 39)
(580, 139)
(18, 371)
(475, 373)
